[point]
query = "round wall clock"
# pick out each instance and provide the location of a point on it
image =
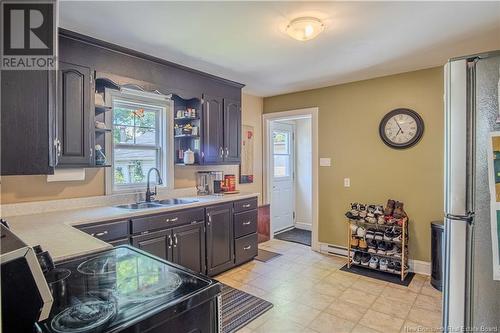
(401, 128)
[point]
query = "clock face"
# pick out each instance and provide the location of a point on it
(401, 128)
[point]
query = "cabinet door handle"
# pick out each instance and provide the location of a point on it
(209, 218)
(247, 223)
(246, 205)
(227, 152)
(58, 146)
(221, 152)
(175, 219)
(167, 220)
(175, 240)
(169, 241)
(99, 234)
(248, 247)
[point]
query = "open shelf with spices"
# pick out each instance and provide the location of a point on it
(187, 128)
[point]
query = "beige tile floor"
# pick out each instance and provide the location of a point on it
(311, 294)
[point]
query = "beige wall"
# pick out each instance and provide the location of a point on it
(349, 116)
(36, 188)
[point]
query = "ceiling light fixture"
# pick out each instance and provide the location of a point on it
(305, 28)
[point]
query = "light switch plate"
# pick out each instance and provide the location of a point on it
(347, 182)
(325, 162)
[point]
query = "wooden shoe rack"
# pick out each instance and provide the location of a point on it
(403, 258)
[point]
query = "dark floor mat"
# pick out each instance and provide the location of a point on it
(240, 308)
(379, 275)
(265, 256)
(295, 235)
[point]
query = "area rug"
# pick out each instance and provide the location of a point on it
(295, 235)
(265, 256)
(239, 308)
(379, 275)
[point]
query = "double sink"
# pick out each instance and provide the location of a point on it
(156, 203)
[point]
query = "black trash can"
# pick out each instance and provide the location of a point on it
(437, 250)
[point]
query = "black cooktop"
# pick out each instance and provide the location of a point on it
(111, 290)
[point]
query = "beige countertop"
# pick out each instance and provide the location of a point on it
(54, 231)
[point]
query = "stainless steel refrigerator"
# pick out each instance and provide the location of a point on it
(471, 297)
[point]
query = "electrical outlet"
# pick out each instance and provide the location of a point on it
(347, 182)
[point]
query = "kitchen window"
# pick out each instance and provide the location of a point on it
(139, 140)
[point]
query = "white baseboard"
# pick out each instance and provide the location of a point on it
(303, 225)
(416, 266)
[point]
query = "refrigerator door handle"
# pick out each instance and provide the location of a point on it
(469, 218)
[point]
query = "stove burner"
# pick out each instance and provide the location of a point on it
(100, 265)
(84, 317)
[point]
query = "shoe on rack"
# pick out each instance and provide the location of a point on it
(370, 211)
(362, 211)
(373, 262)
(354, 228)
(365, 259)
(383, 264)
(370, 233)
(372, 246)
(399, 211)
(389, 220)
(379, 210)
(361, 232)
(379, 235)
(397, 251)
(381, 219)
(390, 249)
(350, 216)
(354, 242)
(397, 267)
(388, 234)
(357, 257)
(389, 207)
(396, 235)
(371, 219)
(362, 244)
(381, 248)
(400, 222)
(391, 266)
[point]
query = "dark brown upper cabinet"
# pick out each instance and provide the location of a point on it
(232, 131)
(221, 131)
(27, 122)
(213, 130)
(74, 116)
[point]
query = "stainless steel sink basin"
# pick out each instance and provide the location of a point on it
(169, 202)
(156, 203)
(139, 205)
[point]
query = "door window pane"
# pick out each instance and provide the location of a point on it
(281, 166)
(281, 142)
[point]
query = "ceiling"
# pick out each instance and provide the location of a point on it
(244, 41)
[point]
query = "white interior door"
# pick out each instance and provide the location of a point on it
(282, 176)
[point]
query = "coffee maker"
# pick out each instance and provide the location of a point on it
(205, 181)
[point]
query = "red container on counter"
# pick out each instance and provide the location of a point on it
(230, 183)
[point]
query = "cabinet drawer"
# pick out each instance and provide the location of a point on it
(245, 248)
(245, 223)
(108, 231)
(122, 241)
(243, 205)
(167, 220)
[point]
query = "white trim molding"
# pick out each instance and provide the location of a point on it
(416, 266)
(312, 113)
(304, 225)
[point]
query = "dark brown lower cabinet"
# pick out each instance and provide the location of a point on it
(183, 245)
(189, 246)
(157, 243)
(220, 240)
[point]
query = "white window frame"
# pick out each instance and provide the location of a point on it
(165, 132)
